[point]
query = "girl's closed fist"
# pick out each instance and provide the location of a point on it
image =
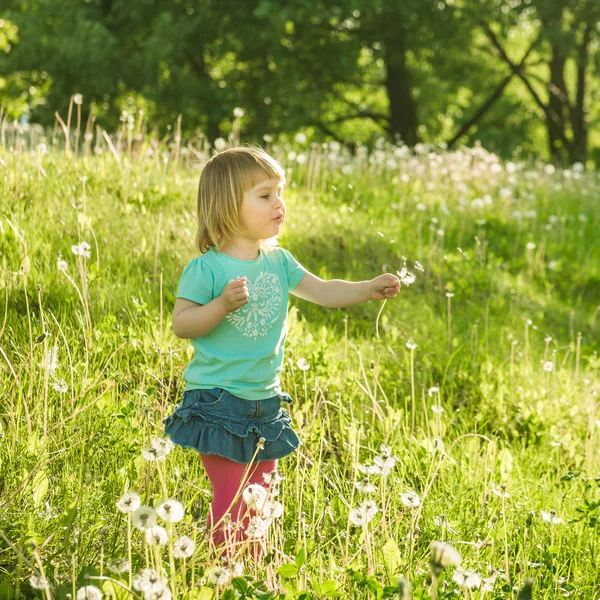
(384, 287)
(235, 294)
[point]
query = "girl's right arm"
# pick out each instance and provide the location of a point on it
(192, 320)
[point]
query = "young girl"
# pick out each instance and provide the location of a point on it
(232, 304)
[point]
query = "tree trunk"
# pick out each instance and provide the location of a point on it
(403, 110)
(557, 101)
(580, 130)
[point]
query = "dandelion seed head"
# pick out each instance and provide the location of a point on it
(467, 579)
(411, 345)
(238, 112)
(272, 510)
(89, 592)
(443, 555)
(551, 517)
(274, 477)
(162, 445)
(143, 517)
(39, 582)
(303, 364)
(60, 385)
(156, 536)
(364, 486)
(149, 581)
(118, 566)
(170, 511)
(62, 265)
(548, 366)
(410, 499)
(257, 528)
(218, 575)
(183, 547)
(82, 249)
(254, 496)
(129, 502)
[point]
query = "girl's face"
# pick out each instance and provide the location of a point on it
(262, 211)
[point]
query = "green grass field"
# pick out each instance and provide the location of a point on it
(480, 380)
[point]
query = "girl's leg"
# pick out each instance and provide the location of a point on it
(225, 477)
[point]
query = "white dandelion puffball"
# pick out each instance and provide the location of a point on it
(411, 345)
(548, 366)
(300, 138)
(257, 528)
(273, 477)
(162, 445)
(364, 486)
(118, 566)
(82, 249)
(433, 390)
(410, 499)
(254, 496)
(78, 99)
(89, 592)
(39, 582)
(60, 385)
(364, 513)
(272, 510)
(129, 502)
(444, 555)
(62, 265)
(218, 575)
(153, 454)
(170, 511)
(303, 364)
(466, 579)
(184, 547)
(220, 144)
(150, 583)
(156, 536)
(238, 112)
(551, 517)
(143, 517)
(385, 463)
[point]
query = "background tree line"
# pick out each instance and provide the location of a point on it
(519, 75)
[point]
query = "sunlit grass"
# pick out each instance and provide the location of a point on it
(469, 415)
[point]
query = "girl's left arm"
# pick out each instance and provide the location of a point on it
(337, 293)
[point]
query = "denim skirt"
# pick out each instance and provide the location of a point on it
(216, 422)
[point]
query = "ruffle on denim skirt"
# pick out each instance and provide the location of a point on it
(217, 422)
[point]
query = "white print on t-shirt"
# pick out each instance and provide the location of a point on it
(264, 303)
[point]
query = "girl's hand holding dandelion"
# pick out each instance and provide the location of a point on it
(383, 287)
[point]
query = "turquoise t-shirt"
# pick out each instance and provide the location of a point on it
(244, 353)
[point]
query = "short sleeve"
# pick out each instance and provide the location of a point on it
(295, 271)
(196, 282)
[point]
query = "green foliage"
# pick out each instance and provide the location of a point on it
(485, 399)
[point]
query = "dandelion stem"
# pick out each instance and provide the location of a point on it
(377, 319)
(412, 391)
(506, 563)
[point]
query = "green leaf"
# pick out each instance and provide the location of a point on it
(241, 585)
(391, 557)
(6, 590)
(287, 571)
(553, 550)
(300, 558)
(202, 593)
(40, 488)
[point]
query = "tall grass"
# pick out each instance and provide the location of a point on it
(465, 411)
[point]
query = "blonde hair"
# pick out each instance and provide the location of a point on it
(224, 180)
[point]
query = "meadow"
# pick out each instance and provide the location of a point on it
(464, 412)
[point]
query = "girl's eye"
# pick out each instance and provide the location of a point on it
(267, 196)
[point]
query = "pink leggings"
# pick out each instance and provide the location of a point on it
(225, 476)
